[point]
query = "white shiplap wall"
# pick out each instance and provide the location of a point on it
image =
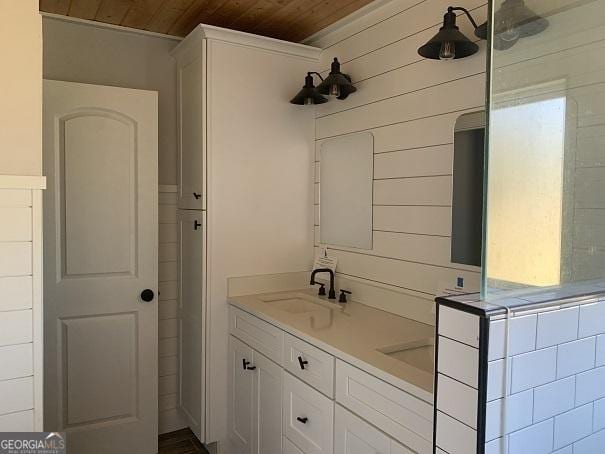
(20, 303)
(410, 105)
(169, 418)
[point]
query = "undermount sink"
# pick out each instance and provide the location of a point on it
(420, 354)
(293, 303)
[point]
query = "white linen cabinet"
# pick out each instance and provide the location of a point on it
(245, 161)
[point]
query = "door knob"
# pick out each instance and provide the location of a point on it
(147, 295)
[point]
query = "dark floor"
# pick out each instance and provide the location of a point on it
(180, 442)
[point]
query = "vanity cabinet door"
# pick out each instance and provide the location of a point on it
(241, 397)
(267, 409)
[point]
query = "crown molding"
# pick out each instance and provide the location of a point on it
(226, 35)
(96, 24)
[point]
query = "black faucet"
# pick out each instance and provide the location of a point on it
(332, 292)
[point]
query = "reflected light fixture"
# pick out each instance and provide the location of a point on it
(513, 21)
(450, 43)
(336, 84)
(308, 95)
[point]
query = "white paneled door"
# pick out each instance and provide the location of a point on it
(100, 267)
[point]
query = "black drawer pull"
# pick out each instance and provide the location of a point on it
(302, 420)
(196, 195)
(251, 367)
(302, 362)
(245, 363)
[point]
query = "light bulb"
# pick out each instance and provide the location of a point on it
(447, 51)
(507, 30)
(335, 90)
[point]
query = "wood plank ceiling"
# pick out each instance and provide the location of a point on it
(291, 20)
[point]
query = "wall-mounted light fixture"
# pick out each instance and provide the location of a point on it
(308, 95)
(336, 84)
(450, 42)
(513, 21)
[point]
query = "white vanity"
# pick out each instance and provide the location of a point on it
(316, 377)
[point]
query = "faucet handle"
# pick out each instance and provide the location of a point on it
(322, 289)
(343, 296)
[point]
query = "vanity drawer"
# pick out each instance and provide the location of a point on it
(310, 364)
(258, 334)
(402, 416)
(308, 417)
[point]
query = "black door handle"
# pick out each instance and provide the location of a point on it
(147, 295)
(302, 362)
(196, 195)
(302, 420)
(196, 225)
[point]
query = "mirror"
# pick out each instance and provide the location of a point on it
(467, 194)
(346, 170)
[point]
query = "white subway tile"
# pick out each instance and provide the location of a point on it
(459, 325)
(592, 319)
(565, 450)
(457, 400)
(590, 445)
(522, 336)
(458, 361)
(495, 379)
(573, 426)
(554, 398)
(454, 437)
(590, 386)
(534, 369)
(536, 439)
(518, 409)
(600, 357)
(575, 357)
(496, 446)
(557, 326)
(599, 415)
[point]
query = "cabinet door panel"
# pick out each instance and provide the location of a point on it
(241, 394)
(191, 318)
(268, 405)
(355, 436)
(191, 128)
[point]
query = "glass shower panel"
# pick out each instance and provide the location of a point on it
(545, 202)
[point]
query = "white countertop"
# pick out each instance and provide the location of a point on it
(354, 332)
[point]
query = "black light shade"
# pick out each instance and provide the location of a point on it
(336, 84)
(308, 95)
(449, 43)
(514, 21)
(481, 31)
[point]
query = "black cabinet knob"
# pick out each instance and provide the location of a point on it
(147, 295)
(302, 362)
(302, 420)
(196, 195)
